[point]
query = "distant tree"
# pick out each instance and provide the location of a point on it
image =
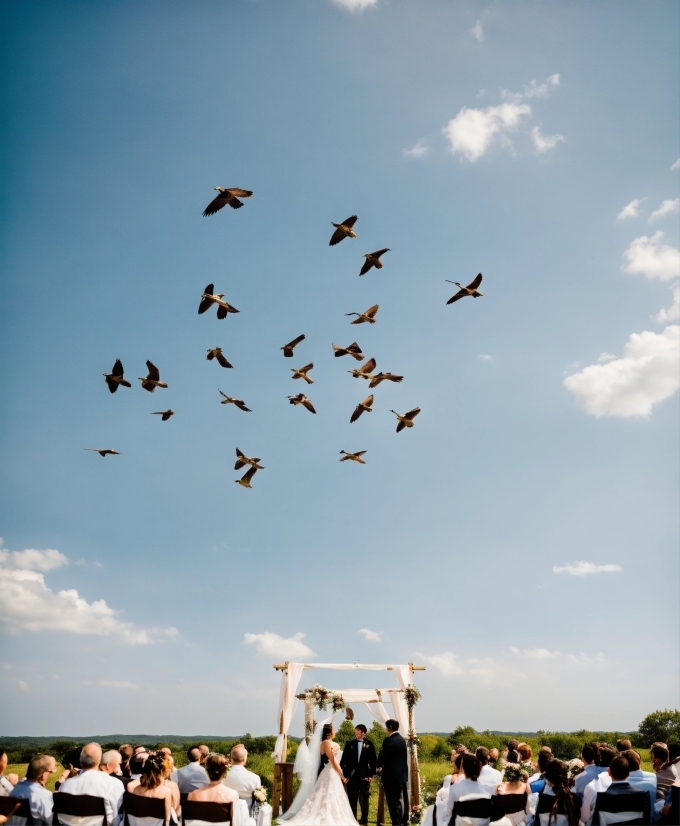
(663, 726)
(345, 733)
(376, 734)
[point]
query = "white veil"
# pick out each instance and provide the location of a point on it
(308, 771)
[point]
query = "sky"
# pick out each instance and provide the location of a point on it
(520, 541)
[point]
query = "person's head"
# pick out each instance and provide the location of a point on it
(525, 752)
(458, 761)
(557, 776)
(126, 751)
(471, 766)
(605, 755)
(140, 750)
(513, 773)
(40, 768)
(460, 749)
(546, 749)
(169, 759)
(360, 731)
(216, 765)
(493, 755)
(512, 745)
(137, 762)
(544, 758)
(3, 760)
(633, 758)
(13, 778)
(205, 751)
(659, 755)
(110, 762)
(90, 757)
(194, 755)
(391, 726)
(154, 771)
(590, 753)
(619, 768)
(327, 732)
(239, 755)
(623, 744)
(482, 755)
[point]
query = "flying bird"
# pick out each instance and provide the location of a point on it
(153, 380)
(247, 477)
(115, 378)
(373, 260)
(367, 317)
(471, 289)
(364, 372)
(366, 406)
(242, 460)
(165, 414)
(103, 451)
(352, 349)
(238, 402)
(343, 230)
(353, 457)
(210, 297)
(380, 377)
(301, 373)
(288, 348)
(216, 353)
(303, 400)
(407, 419)
(227, 196)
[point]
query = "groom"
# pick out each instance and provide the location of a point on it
(394, 763)
(358, 764)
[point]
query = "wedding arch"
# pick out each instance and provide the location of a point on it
(402, 698)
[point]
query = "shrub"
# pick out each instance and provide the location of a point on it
(662, 726)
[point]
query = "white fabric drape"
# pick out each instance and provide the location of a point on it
(360, 695)
(400, 711)
(379, 711)
(291, 679)
(349, 666)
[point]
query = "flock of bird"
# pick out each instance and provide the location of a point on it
(209, 298)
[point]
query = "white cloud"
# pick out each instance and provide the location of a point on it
(585, 568)
(533, 90)
(570, 659)
(23, 685)
(355, 5)
(544, 143)
(485, 357)
(652, 258)
(447, 663)
(273, 645)
(535, 653)
(648, 373)
(668, 207)
(418, 151)
(116, 684)
(676, 165)
(671, 313)
(32, 560)
(477, 31)
(631, 210)
(470, 133)
(605, 357)
(371, 636)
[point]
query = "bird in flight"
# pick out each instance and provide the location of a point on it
(115, 378)
(471, 289)
(288, 348)
(210, 297)
(373, 260)
(343, 230)
(238, 402)
(352, 349)
(364, 372)
(216, 353)
(103, 451)
(227, 196)
(407, 419)
(247, 477)
(353, 457)
(242, 460)
(303, 400)
(367, 317)
(301, 373)
(165, 414)
(366, 406)
(380, 377)
(153, 380)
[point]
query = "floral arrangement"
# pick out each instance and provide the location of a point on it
(260, 794)
(412, 740)
(322, 697)
(575, 767)
(338, 703)
(416, 813)
(411, 695)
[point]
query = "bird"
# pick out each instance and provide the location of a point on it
(353, 457)
(380, 377)
(216, 353)
(364, 372)
(373, 260)
(352, 349)
(210, 297)
(238, 402)
(407, 419)
(153, 380)
(165, 414)
(103, 451)
(115, 378)
(246, 479)
(288, 348)
(471, 289)
(343, 230)
(227, 196)
(301, 373)
(242, 460)
(303, 400)
(367, 317)
(365, 406)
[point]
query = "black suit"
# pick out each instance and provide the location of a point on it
(357, 786)
(393, 760)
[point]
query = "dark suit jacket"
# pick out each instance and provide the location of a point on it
(366, 766)
(393, 759)
(625, 788)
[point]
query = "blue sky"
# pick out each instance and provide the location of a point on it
(521, 540)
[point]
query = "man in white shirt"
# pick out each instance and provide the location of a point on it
(110, 764)
(239, 778)
(96, 783)
(40, 801)
(5, 786)
(589, 754)
(489, 777)
(642, 780)
(192, 776)
(468, 789)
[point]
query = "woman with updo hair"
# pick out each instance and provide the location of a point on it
(152, 784)
(514, 784)
(216, 766)
(566, 803)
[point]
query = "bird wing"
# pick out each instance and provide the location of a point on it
(154, 375)
(293, 343)
(457, 296)
(340, 351)
(368, 367)
(242, 406)
(239, 464)
(206, 304)
(211, 355)
(412, 414)
(350, 222)
(392, 377)
(209, 290)
(360, 453)
(223, 394)
(366, 266)
(400, 426)
(166, 416)
(358, 410)
(474, 284)
(368, 401)
(117, 368)
(336, 237)
(353, 348)
(222, 312)
(216, 204)
(112, 385)
(378, 253)
(306, 367)
(306, 403)
(372, 311)
(222, 360)
(248, 475)
(241, 193)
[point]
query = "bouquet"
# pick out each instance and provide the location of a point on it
(260, 794)
(322, 697)
(416, 814)
(575, 767)
(411, 695)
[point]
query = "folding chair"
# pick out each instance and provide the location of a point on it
(78, 810)
(200, 812)
(475, 812)
(19, 815)
(508, 804)
(622, 809)
(9, 805)
(152, 809)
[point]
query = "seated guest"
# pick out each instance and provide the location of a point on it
(217, 791)
(488, 776)
(169, 781)
(39, 770)
(589, 754)
(566, 803)
(192, 776)
(641, 780)
(600, 784)
(205, 753)
(110, 763)
(623, 744)
(537, 780)
(525, 753)
(136, 765)
(666, 772)
(513, 755)
(618, 771)
(126, 751)
(515, 782)
(468, 789)
(494, 757)
(5, 786)
(140, 750)
(152, 784)
(93, 782)
(242, 781)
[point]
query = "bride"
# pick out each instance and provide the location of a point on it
(321, 800)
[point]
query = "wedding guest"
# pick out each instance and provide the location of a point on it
(623, 744)
(140, 750)
(600, 784)
(136, 765)
(110, 764)
(126, 751)
(618, 772)
(167, 753)
(515, 782)
(205, 753)
(641, 780)
(152, 784)
(537, 780)
(192, 776)
(566, 803)
(488, 776)
(525, 753)
(5, 786)
(470, 788)
(512, 755)
(96, 783)
(39, 770)
(216, 790)
(494, 758)
(239, 779)
(589, 754)
(666, 772)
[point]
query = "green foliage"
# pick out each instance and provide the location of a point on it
(564, 746)
(433, 747)
(662, 726)
(345, 733)
(376, 734)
